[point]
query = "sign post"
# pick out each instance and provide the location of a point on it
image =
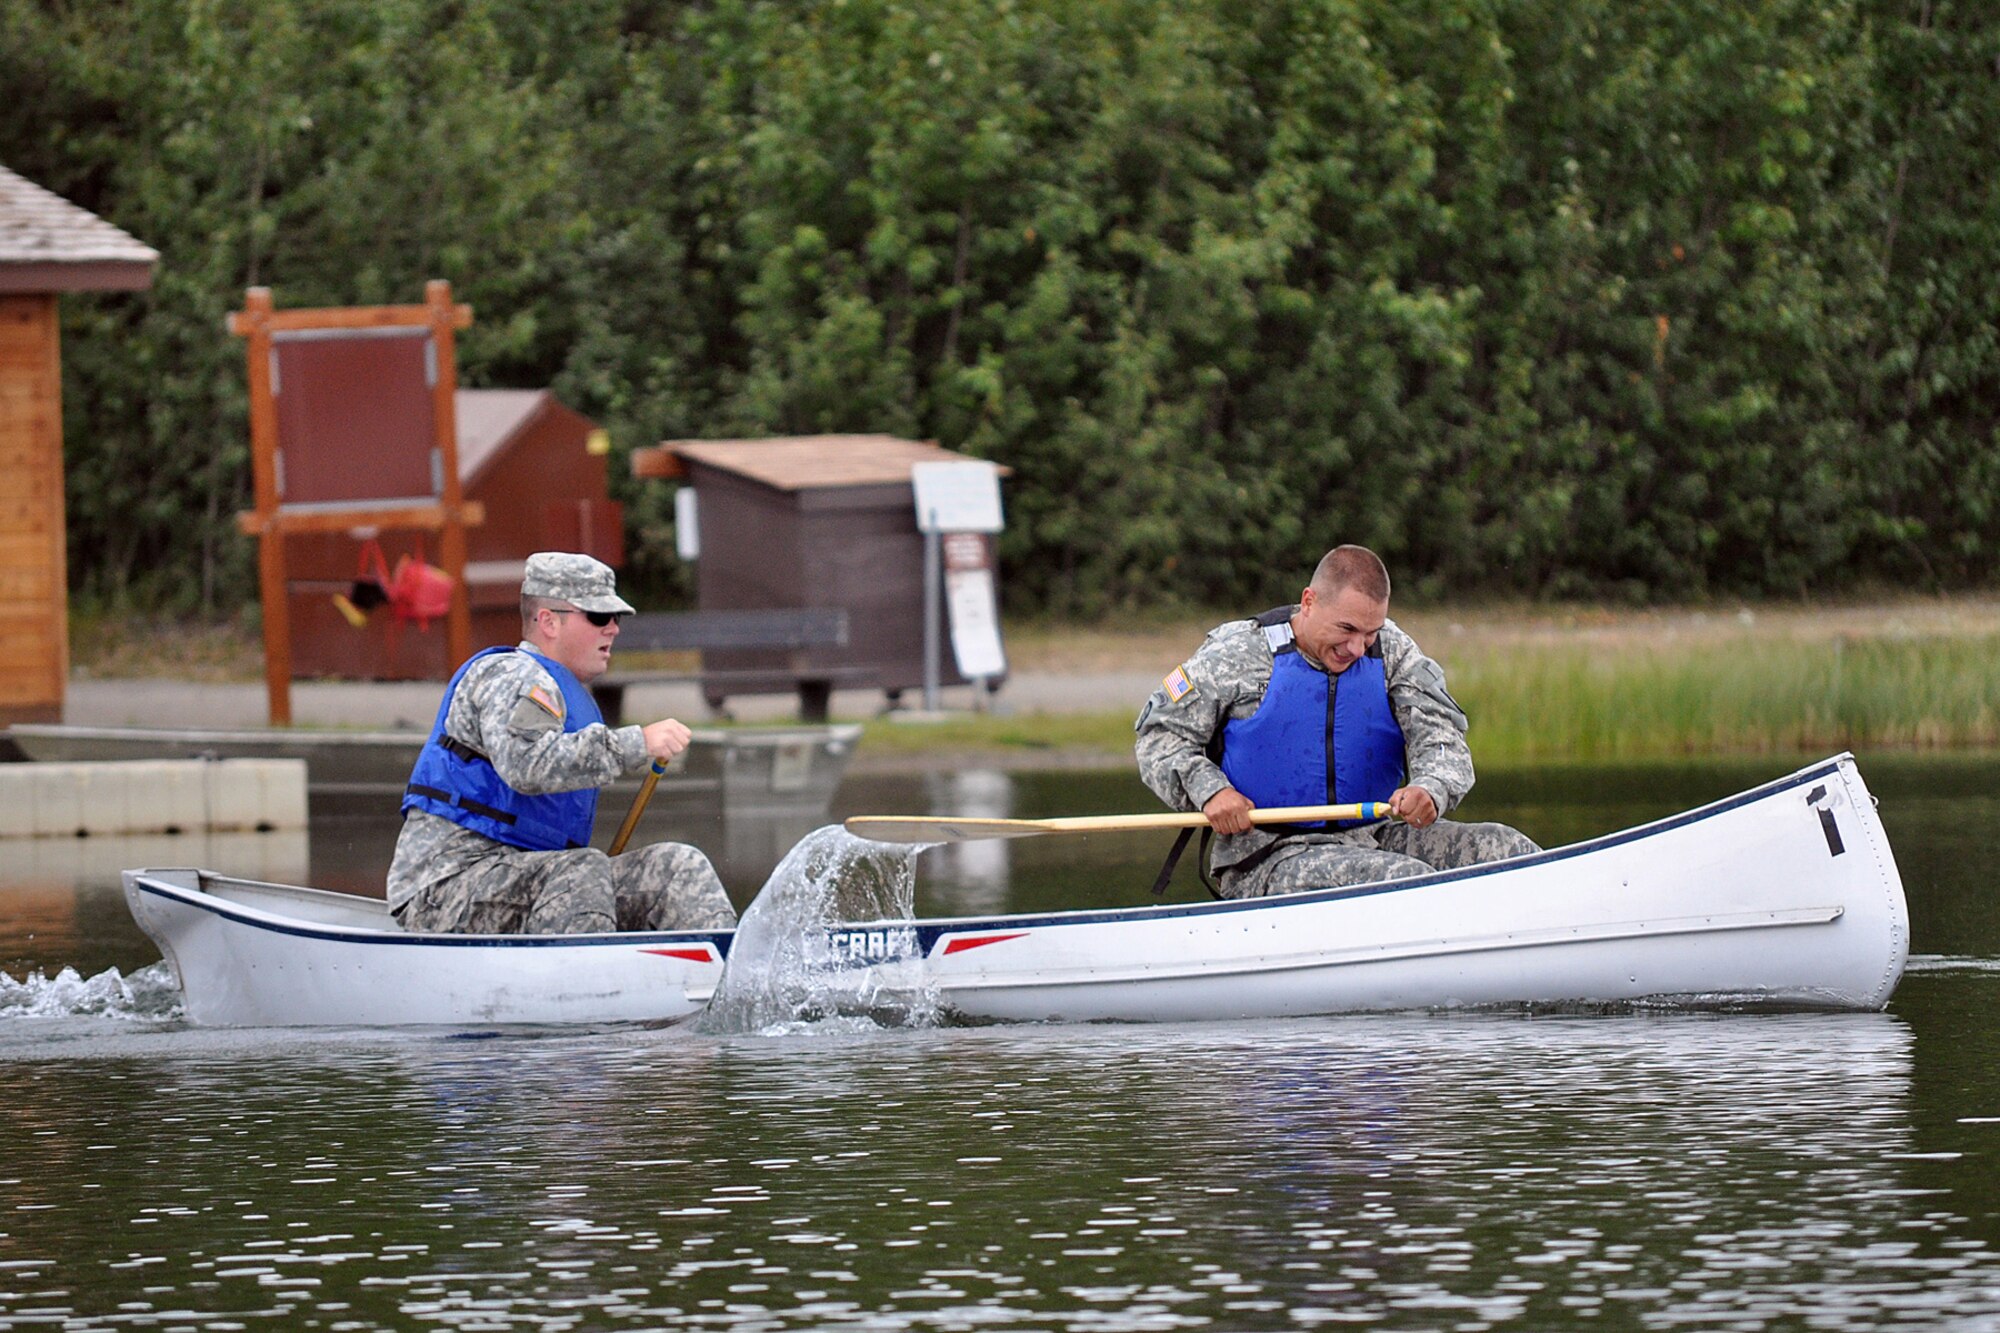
(352, 426)
(933, 669)
(958, 508)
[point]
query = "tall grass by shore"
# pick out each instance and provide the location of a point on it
(1543, 703)
(1732, 696)
(1541, 684)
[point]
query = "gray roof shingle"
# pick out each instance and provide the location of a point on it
(49, 244)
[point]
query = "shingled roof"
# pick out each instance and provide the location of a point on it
(48, 244)
(801, 462)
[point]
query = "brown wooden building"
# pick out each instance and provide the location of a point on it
(540, 470)
(818, 521)
(48, 246)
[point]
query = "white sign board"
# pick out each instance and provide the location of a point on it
(975, 623)
(687, 524)
(957, 497)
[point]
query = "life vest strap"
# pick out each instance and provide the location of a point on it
(462, 750)
(1166, 874)
(463, 803)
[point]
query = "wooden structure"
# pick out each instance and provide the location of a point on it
(810, 521)
(538, 469)
(353, 426)
(47, 246)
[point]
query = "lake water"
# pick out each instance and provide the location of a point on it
(1451, 1171)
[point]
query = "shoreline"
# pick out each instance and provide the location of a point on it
(1542, 684)
(108, 646)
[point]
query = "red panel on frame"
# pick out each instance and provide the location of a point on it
(355, 420)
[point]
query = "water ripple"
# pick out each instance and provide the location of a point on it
(1951, 965)
(1753, 1171)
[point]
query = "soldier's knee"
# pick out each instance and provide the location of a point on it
(584, 863)
(1337, 868)
(1496, 842)
(676, 860)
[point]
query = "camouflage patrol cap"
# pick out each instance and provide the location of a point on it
(586, 584)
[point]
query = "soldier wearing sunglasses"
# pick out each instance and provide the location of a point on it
(498, 813)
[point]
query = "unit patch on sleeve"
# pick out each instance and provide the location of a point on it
(550, 703)
(1176, 684)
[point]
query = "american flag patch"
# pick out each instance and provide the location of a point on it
(549, 703)
(1176, 684)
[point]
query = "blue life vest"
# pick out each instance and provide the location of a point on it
(454, 781)
(1316, 739)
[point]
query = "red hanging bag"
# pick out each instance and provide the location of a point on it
(419, 591)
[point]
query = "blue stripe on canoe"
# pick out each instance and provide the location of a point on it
(363, 935)
(929, 933)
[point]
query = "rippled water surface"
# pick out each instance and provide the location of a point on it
(1652, 1170)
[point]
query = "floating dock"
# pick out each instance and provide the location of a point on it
(81, 799)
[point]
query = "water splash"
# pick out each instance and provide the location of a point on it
(150, 994)
(794, 967)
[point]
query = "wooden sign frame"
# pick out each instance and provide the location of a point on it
(272, 521)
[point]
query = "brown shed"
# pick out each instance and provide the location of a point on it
(539, 468)
(47, 246)
(811, 521)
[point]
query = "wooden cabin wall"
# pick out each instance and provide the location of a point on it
(34, 605)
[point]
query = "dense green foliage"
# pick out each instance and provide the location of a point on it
(1558, 296)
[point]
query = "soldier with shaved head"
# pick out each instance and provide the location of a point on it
(1326, 702)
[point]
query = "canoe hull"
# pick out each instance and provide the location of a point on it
(266, 955)
(1786, 895)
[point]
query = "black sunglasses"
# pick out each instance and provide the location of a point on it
(597, 618)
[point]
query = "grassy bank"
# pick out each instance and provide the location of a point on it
(1024, 740)
(1570, 705)
(1541, 683)
(1587, 684)
(1742, 696)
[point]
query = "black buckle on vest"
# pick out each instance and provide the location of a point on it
(462, 750)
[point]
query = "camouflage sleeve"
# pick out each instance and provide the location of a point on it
(511, 710)
(1433, 724)
(1184, 715)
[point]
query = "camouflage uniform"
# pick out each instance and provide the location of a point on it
(1227, 678)
(447, 878)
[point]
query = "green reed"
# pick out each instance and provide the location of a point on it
(1704, 695)
(1731, 695)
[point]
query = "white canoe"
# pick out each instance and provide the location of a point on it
(1785, 895)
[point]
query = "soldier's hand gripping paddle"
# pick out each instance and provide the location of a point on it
(915, 828)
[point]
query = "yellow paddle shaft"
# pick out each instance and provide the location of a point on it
(917, 828)
(638, 808)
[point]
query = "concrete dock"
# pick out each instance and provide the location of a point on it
(69, 800)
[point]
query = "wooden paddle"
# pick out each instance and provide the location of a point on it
(913, 828)
(638, 808)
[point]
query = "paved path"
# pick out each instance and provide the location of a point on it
(412, 704)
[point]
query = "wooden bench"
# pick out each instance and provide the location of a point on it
(793, 630)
